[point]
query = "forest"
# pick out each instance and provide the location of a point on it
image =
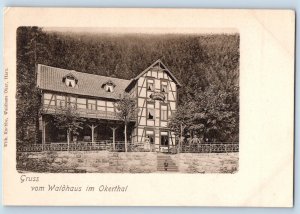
(207, 66)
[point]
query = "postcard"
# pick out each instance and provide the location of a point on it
(148, 107)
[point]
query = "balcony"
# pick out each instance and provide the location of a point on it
(85, 113)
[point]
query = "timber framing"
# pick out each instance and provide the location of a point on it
(155, 90)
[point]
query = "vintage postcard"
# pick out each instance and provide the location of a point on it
(148, 107)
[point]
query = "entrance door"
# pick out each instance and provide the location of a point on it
(164, 141)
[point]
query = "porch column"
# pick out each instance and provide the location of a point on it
(92, 128)
(44, 124)
(114, 136)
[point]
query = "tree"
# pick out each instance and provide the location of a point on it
(212, 113)
(32, 48)
(205, 65)
(68, 119)
(126, 110)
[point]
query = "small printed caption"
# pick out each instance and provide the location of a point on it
(69, 188)
(5, 115)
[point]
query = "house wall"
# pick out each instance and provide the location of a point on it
(53, 99)
(158, 77)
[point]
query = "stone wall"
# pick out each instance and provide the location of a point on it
(80, 162)
(208, 163)
(118, 162)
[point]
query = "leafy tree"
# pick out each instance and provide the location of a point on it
(68, 119)
(212, 113)
(126, 110)
(29, 46)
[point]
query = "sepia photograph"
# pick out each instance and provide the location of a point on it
(101, 100)
(148, 107)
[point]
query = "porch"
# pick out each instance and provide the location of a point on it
(98, 134)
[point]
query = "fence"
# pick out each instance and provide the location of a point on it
(83, 146)
(120, 147)
(210, 148)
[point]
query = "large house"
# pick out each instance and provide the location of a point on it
(94, 98)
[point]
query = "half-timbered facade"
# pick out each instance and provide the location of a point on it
(94, 98)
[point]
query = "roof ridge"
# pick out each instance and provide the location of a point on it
(83, 72)
(166, 69)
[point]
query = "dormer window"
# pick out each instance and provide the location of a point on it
(70, 80)
(109, 86)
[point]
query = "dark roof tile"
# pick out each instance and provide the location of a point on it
(50, 78)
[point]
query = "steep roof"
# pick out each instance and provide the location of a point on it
(160, 64)
(51, 78)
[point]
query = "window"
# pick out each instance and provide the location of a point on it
(164, 112)
(60, 101)
(164, 138)
(49, 99)
(109, 88)
(110, 106)
(70, 80)
(150, 85)
(81, 103)
(151, 114)
(164, 87)
(91, 104)
(150, 136)
(72, 102)
(150, 111)
(101, 105)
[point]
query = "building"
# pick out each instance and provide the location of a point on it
(94, 98)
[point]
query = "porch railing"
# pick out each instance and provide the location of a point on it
(82, 146)
(88, 113)
(137, 147)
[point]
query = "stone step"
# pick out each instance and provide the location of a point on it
(163, 165)
(169, 164)
(161, 159)
(169, 170)
(164, 158)
(168, 161)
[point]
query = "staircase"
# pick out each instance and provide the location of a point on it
(166, 164)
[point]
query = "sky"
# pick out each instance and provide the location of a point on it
(143, 30)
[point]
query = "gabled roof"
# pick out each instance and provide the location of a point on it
(50, 78)
(160, 64)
